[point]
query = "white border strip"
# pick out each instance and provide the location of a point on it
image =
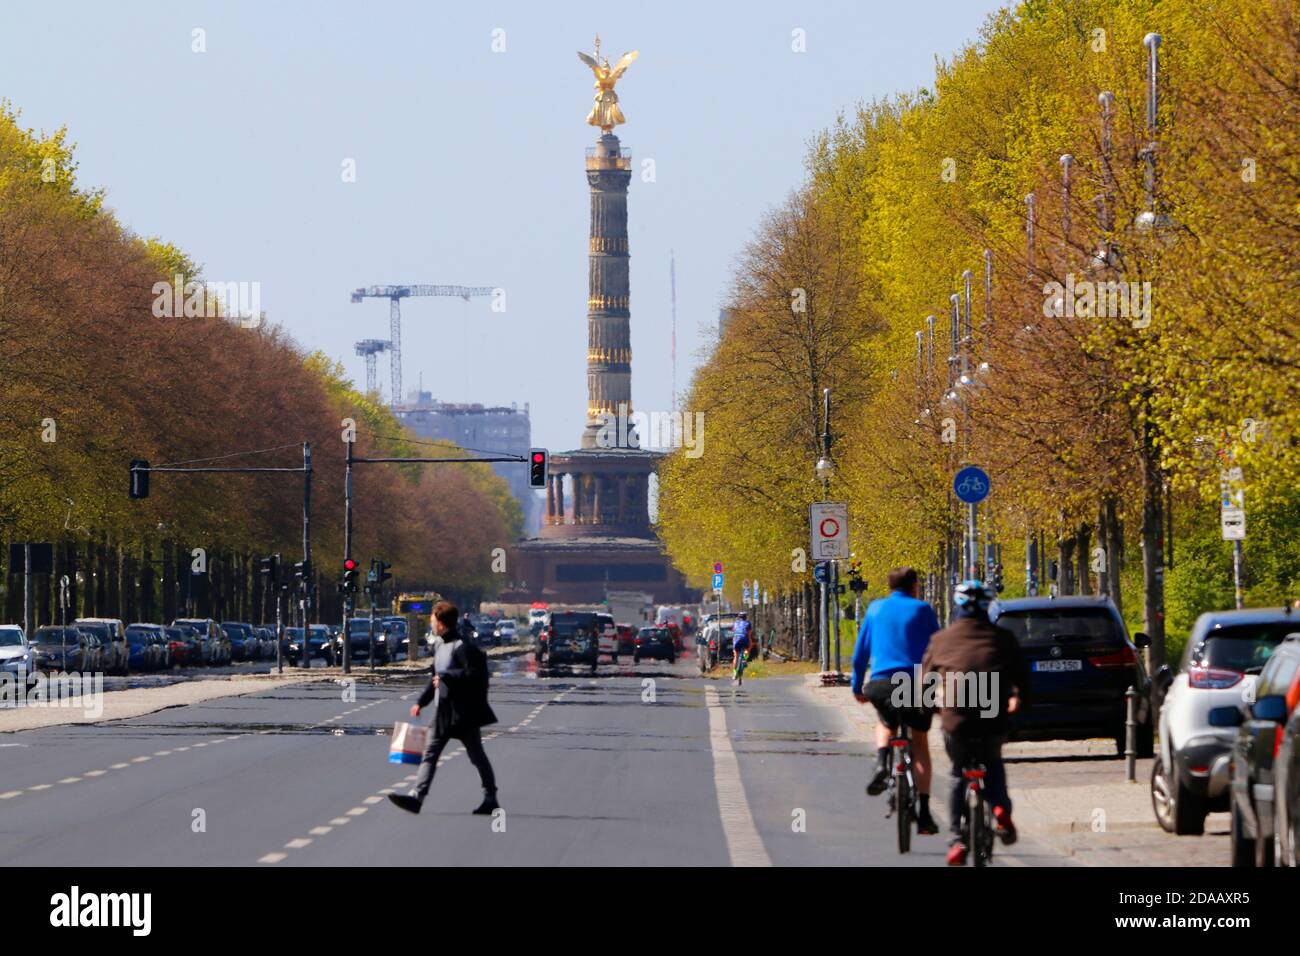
(744, 845)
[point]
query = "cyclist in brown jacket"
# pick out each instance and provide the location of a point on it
(982, 678)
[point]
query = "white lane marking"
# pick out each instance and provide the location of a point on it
(319, 831)
(273, 858)
(140, 759)
(94, 773)
(11, 794)
(357, 811)
(372, 800)
(297, 844)
(161, 753)
(41, 786)
(339, 821)
(744, 845)
(70, 780)
(119, 766)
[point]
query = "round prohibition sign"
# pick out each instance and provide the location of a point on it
(829, 528)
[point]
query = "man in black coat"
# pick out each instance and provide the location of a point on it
(459, 685)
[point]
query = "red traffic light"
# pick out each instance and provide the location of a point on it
(538, 457)
(349, 565)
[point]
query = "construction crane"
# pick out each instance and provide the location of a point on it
(369, 348)
(395, 294)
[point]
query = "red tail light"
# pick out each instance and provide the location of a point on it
(1213, 678)
(1124, 657)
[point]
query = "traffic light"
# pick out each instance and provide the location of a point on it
(270, 569)
(302, 571)
(139, 479)
(538, 460)
(997, 578)
(349, 575)
(381, 573)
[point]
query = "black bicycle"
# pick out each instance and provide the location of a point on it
(902, 786)
(977, 817)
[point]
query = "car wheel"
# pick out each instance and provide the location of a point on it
(1162, 797)
(1243, 848)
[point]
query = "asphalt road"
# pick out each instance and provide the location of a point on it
(642, 765)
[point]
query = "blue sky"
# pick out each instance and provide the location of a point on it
(469, 163)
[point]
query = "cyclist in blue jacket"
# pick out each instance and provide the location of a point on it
(892, 640)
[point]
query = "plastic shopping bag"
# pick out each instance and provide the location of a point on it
(408, 742)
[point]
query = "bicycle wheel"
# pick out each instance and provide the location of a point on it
(903, 790)
(978, 825)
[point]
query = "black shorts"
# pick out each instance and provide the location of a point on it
(879, 692)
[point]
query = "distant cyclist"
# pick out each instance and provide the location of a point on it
(740, 643)
(894, 635)
(978, 655)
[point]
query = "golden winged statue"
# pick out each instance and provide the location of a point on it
(605, 113)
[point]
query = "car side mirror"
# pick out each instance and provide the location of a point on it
(1164, 677)
(1140, 639)
(1225, 716)
(1272, 707)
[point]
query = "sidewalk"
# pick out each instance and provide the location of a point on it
(1069, 797)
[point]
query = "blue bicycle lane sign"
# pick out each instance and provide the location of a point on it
(971, 485)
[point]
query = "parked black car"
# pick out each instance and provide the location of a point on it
(48, 650)
(1082, 663)
(654, 642)
(1262, 728)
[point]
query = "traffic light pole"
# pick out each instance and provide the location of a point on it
(348, 593)
(139, 488)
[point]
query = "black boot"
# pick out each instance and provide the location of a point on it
(876, 785)
(925, 824)
(489, 804)
(407, 801)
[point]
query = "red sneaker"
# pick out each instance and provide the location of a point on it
(1006, 829)
(957, 854)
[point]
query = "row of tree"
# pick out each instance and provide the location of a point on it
(93, 377)
(1138, 337)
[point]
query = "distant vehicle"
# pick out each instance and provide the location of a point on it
(506, 631)
(187, 650)
(48, 644)
(665, 613)
(147, 653)
(15, 653)
(536, 619)
(1082, 663)
(244, 645)
(222, 652)
(1224, 655)
(626, 638)
(656, 643)
(360, 630)
(111, 632)
(713, 643)
(569, 637)
(482, 629)
(1261, 730)
(607, 635)
(319, 646)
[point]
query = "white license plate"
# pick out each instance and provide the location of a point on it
(1058, 665)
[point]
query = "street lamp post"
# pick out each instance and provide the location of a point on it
(825, 470)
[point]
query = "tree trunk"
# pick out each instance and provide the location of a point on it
(1083, 545)
(1153, 550)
